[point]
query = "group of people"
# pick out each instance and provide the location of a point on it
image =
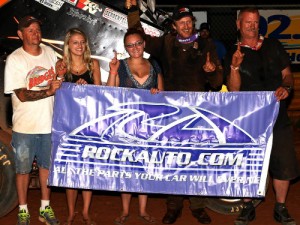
(184, 61)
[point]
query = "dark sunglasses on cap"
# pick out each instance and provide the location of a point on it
(136, 44)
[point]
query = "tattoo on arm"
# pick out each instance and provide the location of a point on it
(28, 95)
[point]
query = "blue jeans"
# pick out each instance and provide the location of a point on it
(28, 146)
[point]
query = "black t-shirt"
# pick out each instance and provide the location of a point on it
(261, 70)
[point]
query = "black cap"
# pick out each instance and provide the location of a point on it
(204, 26)
(26, 21)
(182, 11)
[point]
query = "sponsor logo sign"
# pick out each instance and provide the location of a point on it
(77, 14)
(52, 4)
(284, 26)
(72, 2)
(89, 6)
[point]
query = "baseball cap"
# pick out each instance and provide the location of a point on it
(181, 11)
(204, 26)
(26, 21)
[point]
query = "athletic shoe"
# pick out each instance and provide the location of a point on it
(47, 216)
(23, 217)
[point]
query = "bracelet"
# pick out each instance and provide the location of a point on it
(113, 74)
(288, 88)
(234, 67)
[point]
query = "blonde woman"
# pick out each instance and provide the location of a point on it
(77, 66)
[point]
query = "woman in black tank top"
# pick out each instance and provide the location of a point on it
(78, 67)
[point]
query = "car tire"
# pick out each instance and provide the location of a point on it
(228, 206)
(8, 192)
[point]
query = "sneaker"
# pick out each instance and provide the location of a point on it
(282, 216)
(247, 214)
(23, 217)
(47, 216)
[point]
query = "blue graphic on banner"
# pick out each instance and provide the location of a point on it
(191, 143)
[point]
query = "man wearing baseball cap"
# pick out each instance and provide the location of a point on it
(205, 27)
(27, 21)
(189, 63)
(204, 32)
(181, 11)
(31, 80)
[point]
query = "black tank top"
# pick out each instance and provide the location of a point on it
(87, 76)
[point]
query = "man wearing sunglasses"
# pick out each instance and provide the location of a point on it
(189, 63)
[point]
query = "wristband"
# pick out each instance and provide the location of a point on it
(288, 88)
(234, 67)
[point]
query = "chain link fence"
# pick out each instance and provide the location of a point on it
(222, 20)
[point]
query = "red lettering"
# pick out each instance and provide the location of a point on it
(48, 76)
(31, 83)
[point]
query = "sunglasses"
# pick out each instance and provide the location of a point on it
(136, 44)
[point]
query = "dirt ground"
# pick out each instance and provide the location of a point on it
(107, 205)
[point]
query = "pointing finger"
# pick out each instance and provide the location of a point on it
(239, 46)
(208, 57)
(115, 53)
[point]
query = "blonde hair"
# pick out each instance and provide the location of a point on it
(86, 55)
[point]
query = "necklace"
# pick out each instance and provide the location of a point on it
(78, 68)
(257, 46)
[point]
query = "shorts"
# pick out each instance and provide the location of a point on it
(283, 161)
(29, 146)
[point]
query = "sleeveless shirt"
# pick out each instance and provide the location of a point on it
(127, 79)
